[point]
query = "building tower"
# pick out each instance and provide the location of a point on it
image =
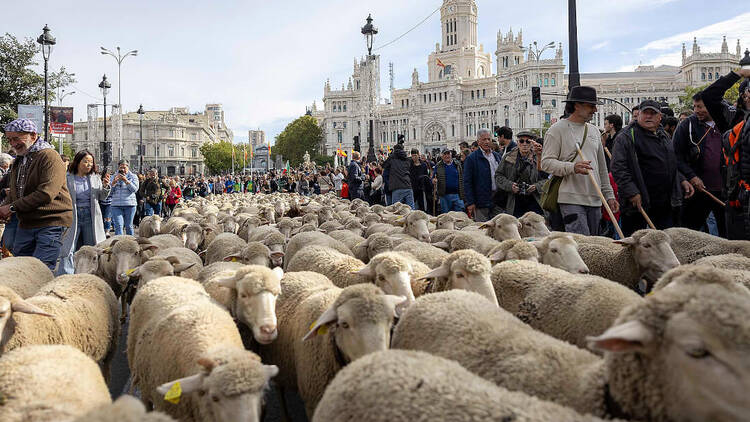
(509, 53)
(459, 21)
(458, 54)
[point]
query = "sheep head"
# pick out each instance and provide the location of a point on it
(560, 250)
(229, 386)
(532, 225)
(652, 252)
(193, 236)
(415, 225)
(392, 273)
(469, 270)
(503, 227)
(128, 253)
(86, 259)
(514, 249)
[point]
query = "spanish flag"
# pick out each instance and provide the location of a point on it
(439, 63)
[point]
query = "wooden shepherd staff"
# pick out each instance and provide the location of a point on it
(645, 217)
(601, 197)
(710, 195)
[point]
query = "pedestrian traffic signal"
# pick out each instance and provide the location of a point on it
(536, 95)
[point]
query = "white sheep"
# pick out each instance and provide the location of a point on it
(24, 274)
(49, 383)
(690, 245)
(560, 250)
(397, 274)
(149, 226)
(407, 386)
(79, 310)
(86, 260)
(301, 240)
(502, 227)
(224, 245)
(120, 254)
(340, 268)
(373, 245)
(728, 262)
(179, 335)
(533, 225)
(125, 409)
(475, 240)
(514, 249)
(322, 328)
(464, 269)
(167, 240)
(175, 225)
(347, 237)
(685, 274)
(424, 252)
(273, 239)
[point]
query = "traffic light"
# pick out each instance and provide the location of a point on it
(536, 95)
(400, 139)
(356, 143)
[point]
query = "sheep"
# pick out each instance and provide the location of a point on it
(341, 269)
(225, 244)
(404, 386)
(272, 238)
(553, 301)
(194, 233)
(560, 250)
(347, 237)
(125, 409)
(249, 293)
(385, 228)
(122, 254)
(514, 249)
(49, 383)
(182, 258)
(285, 226)
(463, 269)
(178, 334)
(229, 223)
(156, 267)
(301, 240)
(445, 222)
(426, 253)
(470, 240)
(397, 274)
(728, 262)
(439, 235)
(168, 240)
(250, 223)
(174, 225)
(371, 246)
(415, 225)
(686, 274)
(346, 325)
(310, 219)
(690, 245)
(533, 225)
(646, 255)
(24, 275)
(503, 227)
(86, 260)
(81, 311)
(330, 226)
(149, 226)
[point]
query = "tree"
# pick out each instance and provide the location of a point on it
(218, 156)
(303, 134)
(67, 149)
(686, 101)
(19, 84)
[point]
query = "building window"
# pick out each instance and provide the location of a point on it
(710, 76)
(344, 106)
(340, 136)
(472, 95)
(453, 130)
(415, 133)
(547, 117)
(717, 75)
(440, 95)
(484, 93)
(407, 103)
(402, 103)
(425, 98)
(195, 152)
(554, 103)
(703, 76)
(171, 151)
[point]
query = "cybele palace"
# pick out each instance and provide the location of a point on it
(461, 93)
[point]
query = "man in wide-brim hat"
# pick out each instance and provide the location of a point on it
(578, 200)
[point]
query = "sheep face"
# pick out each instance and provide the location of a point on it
(503, 227)
(154, 223)
(532, 225)
(417, 227)
(193, 236)
(127, 254)
(229, 225)
(220, 396)
(652, 252)
(269, 215)
(562, 252)
(392, 275)
(467, 270)
(86, 260)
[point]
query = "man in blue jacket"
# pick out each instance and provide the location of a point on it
(479, 180)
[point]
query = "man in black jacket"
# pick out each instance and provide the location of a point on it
(417, 171)
(697, 145)
(355, 178)
(152, 194)
(399, 182)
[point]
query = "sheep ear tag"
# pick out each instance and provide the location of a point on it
(174, 393)
(234, 259)
(322, 330)
(130, 271)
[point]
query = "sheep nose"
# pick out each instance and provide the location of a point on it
(268, 329)
(583, 271)
(425, 238)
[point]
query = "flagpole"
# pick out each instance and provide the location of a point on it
(232, 143)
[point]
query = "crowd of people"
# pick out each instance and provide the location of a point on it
(688, 170)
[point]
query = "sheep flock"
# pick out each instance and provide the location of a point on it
(377, 313)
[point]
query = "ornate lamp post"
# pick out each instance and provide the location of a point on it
(105, 86)
(46, 40)
(119, 58)
(140, 142)
(369, 31)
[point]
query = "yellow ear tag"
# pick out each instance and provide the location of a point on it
(174, 393)
(234, 259)
(323, 329)
(130, 271)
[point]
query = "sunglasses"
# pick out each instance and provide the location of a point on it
(524, 141)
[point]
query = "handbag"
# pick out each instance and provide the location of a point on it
(552, 185)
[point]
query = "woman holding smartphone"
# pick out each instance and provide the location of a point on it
(124, 186)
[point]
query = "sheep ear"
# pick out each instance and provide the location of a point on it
(270, 371)
(442, 245)
(487, 225)
(628, 241)
(441, 271)
(433, 219)
(207, 363)
(178, 268)
(187, 384)
(627, 337)
(366, 271)
(393, 302)
(27, 308)
(279, 272)
(498, 256)
(321, 325)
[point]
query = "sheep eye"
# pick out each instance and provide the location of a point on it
(381, 278)
(345, 325)
(215, 398)
(698, 353)
(646, 245)
(553, 250)
(460, 275)
(243, 295)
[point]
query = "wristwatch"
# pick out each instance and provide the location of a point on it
(12, 208)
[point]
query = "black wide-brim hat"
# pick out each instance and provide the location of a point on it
(582, 94)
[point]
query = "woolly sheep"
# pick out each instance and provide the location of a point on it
(339, 268)
(445, 222)
(397, 274)
(310, 219)
(646, 255)
(24, 275)
(565, 306)
(514, 249)
(384, 228)
(348, 238)
(728, 262)
(194, 236)
(330, 226)
(229, 223)
(273, 239)
(424, 252)
(686, 274)
(249, 292)
(470, 240)
(439, 235)
(188, 338)
(125, 409)
(285, 226)
(168, 240)
(248, 224)
(123, 254)
(175, 225)
(346, 325)
(373, 245)
(79, 310)
(533, 225)
(149, 226)
(463, 269)
(301, 240)
(405, 386)
(502, 227)
(86, 260)
(159, 266)
(690, 245)
(49, 383)
(560, 250)
(224, 244)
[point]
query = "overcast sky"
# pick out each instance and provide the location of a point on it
(266, 60)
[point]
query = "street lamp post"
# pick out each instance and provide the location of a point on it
(119, 58)
(105, 86)
(61, 94)
(574, 78)
(46, 40)
(369, 31)
(140, 143)
(537, 53)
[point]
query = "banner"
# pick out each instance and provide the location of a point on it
(35, 113)
(61, 120)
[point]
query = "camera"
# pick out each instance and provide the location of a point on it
(121, 171)
(523, 188)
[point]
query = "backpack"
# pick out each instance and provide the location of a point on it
(732, 149)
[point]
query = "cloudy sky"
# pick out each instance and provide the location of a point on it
(267, 60)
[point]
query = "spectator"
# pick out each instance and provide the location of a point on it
(124, 186)
(106, 206)
(5, 161)
(479, 181)
(670, 125)
(449, 179)
(152, 194)
(417, 170)
(685, 114)
(65, 159)
(376, 188)
(86, 188)
(173, 196)
(337, 178)
(645, 170)
(38, 194)
(697, 146)
(505, 140)
(635, 111)
(325, 182)
(399, 182)
(612, 126)
(518, 177)
(578, 199)
(356, 178)
(188, 191)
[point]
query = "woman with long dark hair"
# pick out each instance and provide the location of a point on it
(86, 190)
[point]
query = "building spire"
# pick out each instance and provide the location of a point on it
(739, 50)
(684, 53)
(696, 49)
(724, 46)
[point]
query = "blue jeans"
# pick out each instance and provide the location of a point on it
(9, 235)
(403, 195)
(84, 235)
(42, 243)
(106, 216)
(451, 202)
(123, 216)
(149, 209)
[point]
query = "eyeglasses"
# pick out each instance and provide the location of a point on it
(524, 141)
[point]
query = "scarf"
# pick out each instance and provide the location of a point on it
(26, 160)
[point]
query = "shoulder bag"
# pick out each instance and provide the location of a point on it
(552, 185)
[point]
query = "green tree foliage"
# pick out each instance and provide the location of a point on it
(19, 83)
(303, 134)
(218, 157)
(686, 101)
(67, 149)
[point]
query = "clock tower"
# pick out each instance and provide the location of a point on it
(459, 54)
(459, 19)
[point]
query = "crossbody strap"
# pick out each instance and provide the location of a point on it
(583, 142)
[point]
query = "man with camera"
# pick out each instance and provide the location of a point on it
(124, 186)
(518, 177)
(152, 194)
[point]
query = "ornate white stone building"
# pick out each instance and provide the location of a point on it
(462, 94)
